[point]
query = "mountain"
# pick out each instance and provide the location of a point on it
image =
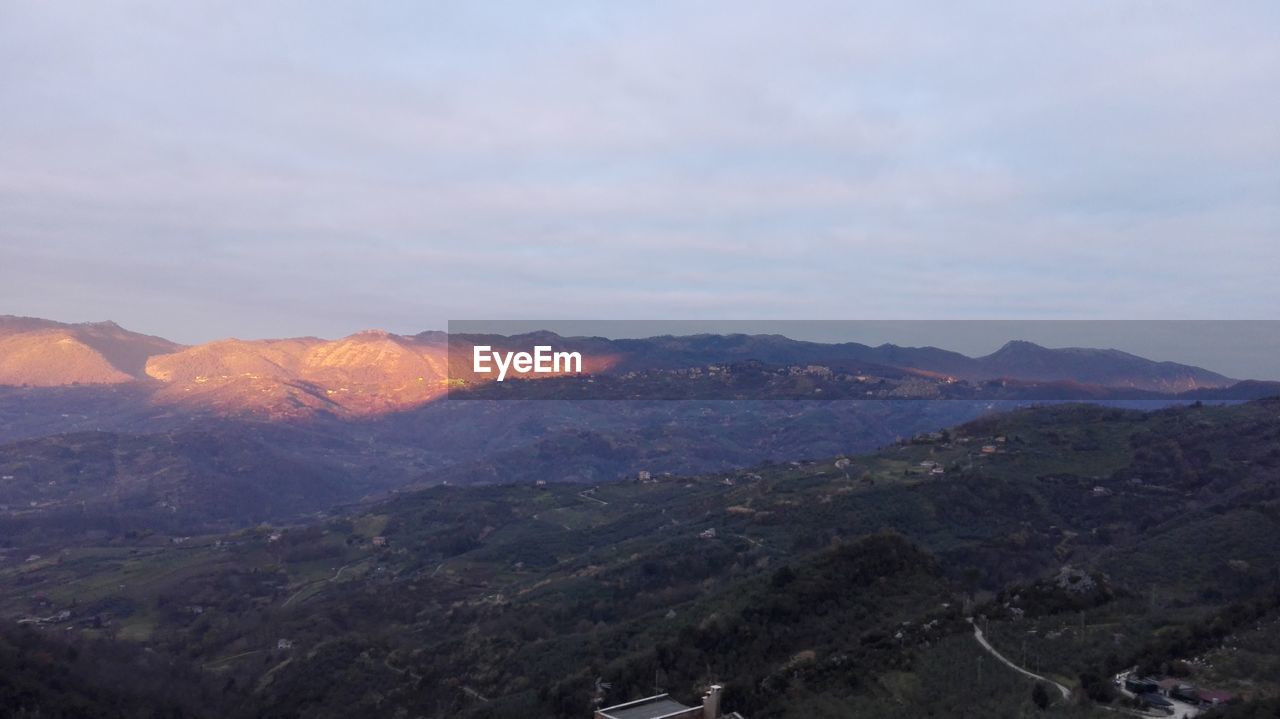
(320, 422)
(1103, 367)
(367, 373)
(42, 353)
(1086, 541)
(376, 373)
(488, 559)
(1016, 360)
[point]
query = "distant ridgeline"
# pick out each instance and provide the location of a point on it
(374, 373)
(773, 367)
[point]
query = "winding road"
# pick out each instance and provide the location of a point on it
(982, 639)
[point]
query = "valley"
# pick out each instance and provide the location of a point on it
(823, 587)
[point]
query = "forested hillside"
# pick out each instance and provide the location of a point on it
(1084, 539)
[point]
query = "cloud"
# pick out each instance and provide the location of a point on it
(179, 165)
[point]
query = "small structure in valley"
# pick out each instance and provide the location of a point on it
(1141, 685)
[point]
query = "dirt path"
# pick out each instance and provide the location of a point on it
(336, 575)
(224, 660)
(584, 495)
(386, 662)
(982, 639)
(475, 694)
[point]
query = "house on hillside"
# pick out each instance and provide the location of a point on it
(662, 706)
(1154, 700)
(1186, 693)
(1213, 698)
(1141, 685)
(1177, 689)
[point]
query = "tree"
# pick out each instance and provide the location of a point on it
(781, 578)
(1040, 696)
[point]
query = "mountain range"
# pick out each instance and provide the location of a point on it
(103, 429)
(297, 527)
(374, 373)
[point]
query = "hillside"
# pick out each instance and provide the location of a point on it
(1103, 367)
(834, 587)
(51, 679)
(1016, 360)
(103, 485)
(42, 353)
(364, 374)
(219, 473)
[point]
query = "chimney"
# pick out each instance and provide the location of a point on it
(711, 703)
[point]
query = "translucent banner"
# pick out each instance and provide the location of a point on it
(1038, 360)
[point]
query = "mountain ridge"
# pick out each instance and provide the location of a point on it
(373, 372)
(45, 353)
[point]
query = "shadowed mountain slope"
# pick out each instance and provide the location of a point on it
(42, 353)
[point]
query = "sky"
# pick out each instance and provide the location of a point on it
(210, 169)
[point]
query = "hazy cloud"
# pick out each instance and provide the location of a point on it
(207, 169)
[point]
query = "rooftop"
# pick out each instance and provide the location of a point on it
(650, 708)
